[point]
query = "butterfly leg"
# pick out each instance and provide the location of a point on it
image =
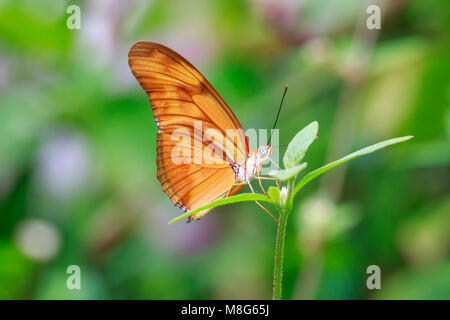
(260, 184)
(262, 207)
(267, 178)
(251, 188)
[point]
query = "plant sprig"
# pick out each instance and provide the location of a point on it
(282, 199)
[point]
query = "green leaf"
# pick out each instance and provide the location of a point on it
(313, 174)
(299, 145)
(274, 194)
(286, 174)
(223, 201)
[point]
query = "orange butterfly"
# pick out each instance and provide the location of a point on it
(186, 106)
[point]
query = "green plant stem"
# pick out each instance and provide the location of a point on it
(279, 256)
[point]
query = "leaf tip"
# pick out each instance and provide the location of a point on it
(405, 138)
(315, 125)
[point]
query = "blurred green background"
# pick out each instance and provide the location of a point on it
(77, 150)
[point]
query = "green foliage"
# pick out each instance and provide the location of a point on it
(274, 194)
(314, 174)
(299, 145)
(287, 174)
(229, 200)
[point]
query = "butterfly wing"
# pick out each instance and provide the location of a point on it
(180, 97)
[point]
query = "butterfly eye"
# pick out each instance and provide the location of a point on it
(262, 150)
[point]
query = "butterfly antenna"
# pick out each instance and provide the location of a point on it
(281, 145)
(278, 113)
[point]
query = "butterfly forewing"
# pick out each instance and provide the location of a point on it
(192, 117)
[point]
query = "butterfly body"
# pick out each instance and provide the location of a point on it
(253, 165)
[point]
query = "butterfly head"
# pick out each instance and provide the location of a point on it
(264, 154)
